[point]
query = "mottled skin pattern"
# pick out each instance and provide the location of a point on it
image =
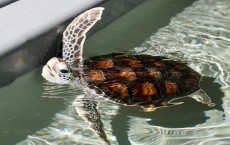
(140, 79)
(75, 34)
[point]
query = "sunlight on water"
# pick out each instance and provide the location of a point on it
(52, 90)
(69, 127)
(199, 36)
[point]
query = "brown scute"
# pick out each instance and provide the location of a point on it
(95, 75)
(140, 79)
(128, 73)
(170, 87)
(111, 74)
(142, 74)
(148, 73)
(148, 89)
(134, 63)
(157, 64)
(118, 88)
(103, 63)
(180, 66)
(154, 73)
(144, 89)
(175, 74)
(128, 62)
(190, 82)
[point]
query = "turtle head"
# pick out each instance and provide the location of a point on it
(57, 71)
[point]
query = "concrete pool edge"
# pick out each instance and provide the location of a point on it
(31, 39)
(26, 20)
(30, 32)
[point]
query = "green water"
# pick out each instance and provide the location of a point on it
(131, 29)
(23, 110)
(27, 109)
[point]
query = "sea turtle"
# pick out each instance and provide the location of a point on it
(148, 81)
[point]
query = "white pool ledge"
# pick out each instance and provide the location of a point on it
(25, 20)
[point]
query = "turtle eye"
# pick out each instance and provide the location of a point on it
(64, 71)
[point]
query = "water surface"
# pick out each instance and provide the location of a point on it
(200, 36)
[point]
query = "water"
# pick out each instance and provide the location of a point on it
(200, 35)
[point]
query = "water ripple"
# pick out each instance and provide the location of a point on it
(68, 126)
(52, 90)
(200, 36)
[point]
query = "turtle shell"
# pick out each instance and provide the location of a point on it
(139, 79)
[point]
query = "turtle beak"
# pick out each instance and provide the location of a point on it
(50, 65)
(48, 71)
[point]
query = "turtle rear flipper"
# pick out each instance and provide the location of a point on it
(199, 96)
(202, 97)
(151, 108)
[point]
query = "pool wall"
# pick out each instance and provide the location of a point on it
(31, 30)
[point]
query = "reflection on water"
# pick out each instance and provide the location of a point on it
(200, 36)
(73, 125)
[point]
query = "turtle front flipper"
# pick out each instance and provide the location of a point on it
(87, 110)
(202, 97)
(74, 36)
